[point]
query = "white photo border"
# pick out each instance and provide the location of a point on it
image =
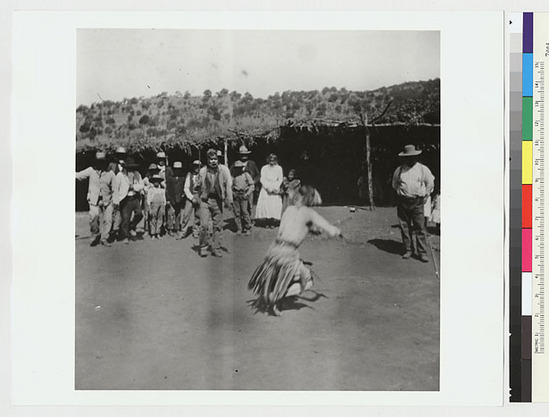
(43, 156)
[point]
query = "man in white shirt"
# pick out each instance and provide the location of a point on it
(127, 196)
(413, 183)
(100, 189)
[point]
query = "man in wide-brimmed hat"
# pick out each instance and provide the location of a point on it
(251, 168)
(156, 206)
(413, 183)
(175, 198)
(147, 185)
(127, 196)
(116, 166)
(163, 169)
(118, 160)
(100, 192)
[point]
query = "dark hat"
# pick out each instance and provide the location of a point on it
(130, 163)
(410, 150)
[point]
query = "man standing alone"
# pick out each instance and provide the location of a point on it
(413, 183)
(215, 190)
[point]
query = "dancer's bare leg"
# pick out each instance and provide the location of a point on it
(275, 310)
(297, 288)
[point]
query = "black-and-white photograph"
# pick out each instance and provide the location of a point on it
(257, 210)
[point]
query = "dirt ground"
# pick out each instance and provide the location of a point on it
(154, 315)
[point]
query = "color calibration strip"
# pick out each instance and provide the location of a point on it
(529, 355)
(540, 350)
(527, 155)
(520, 217)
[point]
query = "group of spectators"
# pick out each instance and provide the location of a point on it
(178, 202)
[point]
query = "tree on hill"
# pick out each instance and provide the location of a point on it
(197, 119)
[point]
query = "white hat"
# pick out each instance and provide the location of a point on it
(177, 164)
(100, 155)
(410, 150)
(161, 155)
(120, 149)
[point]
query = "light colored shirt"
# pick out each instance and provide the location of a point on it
(100, 186)
(127, 184)
(296, 221)
(195, 180)
(94, 188)
(243, 183)
(156, 195)
(414, 181)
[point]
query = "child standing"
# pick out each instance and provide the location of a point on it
(147, 183)
(243, 188)
(156, 202)
(290, 187)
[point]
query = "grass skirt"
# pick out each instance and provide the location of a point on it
(281, 268)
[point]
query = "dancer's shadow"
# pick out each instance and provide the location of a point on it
(196, 248)
(387, 245)
(288, 303)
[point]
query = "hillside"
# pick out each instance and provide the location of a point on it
(181, 120)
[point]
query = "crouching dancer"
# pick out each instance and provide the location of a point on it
(282, 273)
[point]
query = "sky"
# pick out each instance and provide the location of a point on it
(113, 64)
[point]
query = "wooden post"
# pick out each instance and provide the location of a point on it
(364, 120)
(369, 170)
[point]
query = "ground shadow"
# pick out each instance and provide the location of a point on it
(387, 245)
(297, 302)
(230, 224)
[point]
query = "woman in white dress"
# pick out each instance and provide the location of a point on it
(269, 203)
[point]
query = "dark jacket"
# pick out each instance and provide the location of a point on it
(175, 189)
